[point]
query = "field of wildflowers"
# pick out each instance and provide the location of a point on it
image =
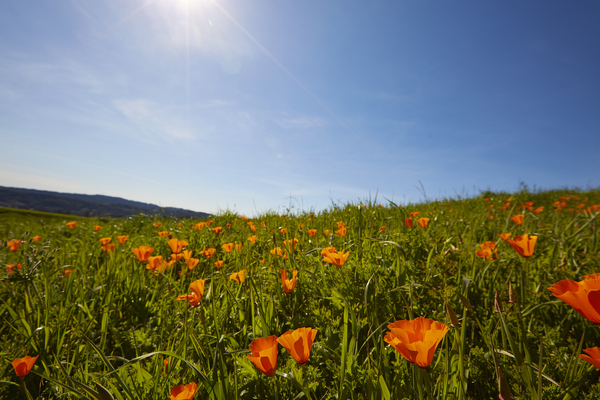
(491, 297)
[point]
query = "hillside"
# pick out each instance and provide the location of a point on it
(85, 205)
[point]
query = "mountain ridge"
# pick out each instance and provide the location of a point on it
(85, 205)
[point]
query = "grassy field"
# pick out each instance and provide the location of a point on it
(105, 324)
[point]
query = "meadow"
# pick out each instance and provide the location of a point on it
(445, 299)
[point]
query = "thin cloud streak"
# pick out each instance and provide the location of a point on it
(151, 118)
(280, 65)
(131, 14)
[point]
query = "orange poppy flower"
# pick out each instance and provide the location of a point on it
(595, 207)
(517, 219)
(183, 392)
(523, 244)
(163, 234)
(176, 257)
(342, 231)
(298, 343)
(336, 258)
(238, 247)
(97, 228)
(340, 224)
(36, 238)
(408, 222)
(415, 214)
(208, 253)
(219, 263)
(312, 232)
(583, 296)
(538, 210)
(505, 236)
(252, 239)
(157, 224)
(277, 251)
(122, 239)
(228, 247)
(143, 252)
(196, 293)
(594, 356)
(423, 222)
(199, 226)
(155, 263)
(177, 245)
(238, 276)
(68, 272)
(252, 226)
(197, 287)
(417, 339)
(290, 244)
(216, 230)
(192, 262)
(10, 267)
(327, 232)
(264, 354)
(186, 254)
(105, 241)
(487, 251)
(288, 285)
(13, 245)
(283, 230)
(108, 247)
(71, 225)
(24, 365)
(328, 250)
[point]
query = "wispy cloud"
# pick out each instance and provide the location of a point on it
(383, 96)
(66, 73)
(216, 103)
(151, 119)
(301, 122)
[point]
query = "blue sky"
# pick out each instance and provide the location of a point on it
(256, 105)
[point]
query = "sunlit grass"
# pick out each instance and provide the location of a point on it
(105, 320)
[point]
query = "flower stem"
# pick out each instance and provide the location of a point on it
(25, 389)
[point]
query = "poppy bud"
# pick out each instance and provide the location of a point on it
(453, 319)
(497, 302)
(512, 296)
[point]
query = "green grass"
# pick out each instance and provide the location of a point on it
(107, 328)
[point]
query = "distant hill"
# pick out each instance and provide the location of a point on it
(85, 205)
